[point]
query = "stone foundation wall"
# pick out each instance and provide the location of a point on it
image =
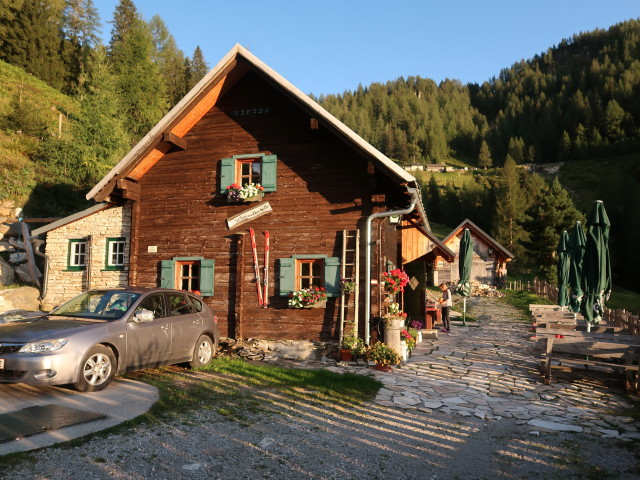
(64, 284)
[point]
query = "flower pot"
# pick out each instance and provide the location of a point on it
(382, 368)
(345, 355)
(419, 336)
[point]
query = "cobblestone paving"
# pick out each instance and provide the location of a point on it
(489, 370)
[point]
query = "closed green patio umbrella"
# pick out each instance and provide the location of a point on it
(577, 243)
(597, 265)
(564, 261)
(465, 260)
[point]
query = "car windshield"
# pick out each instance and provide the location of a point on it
(106, 305)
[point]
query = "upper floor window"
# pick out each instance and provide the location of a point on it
(245, 169)
(249, 171)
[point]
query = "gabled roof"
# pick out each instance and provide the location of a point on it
(70, 219)
(481, 233)
(439, 245)
(204, 96)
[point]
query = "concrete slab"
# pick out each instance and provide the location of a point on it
(123, 400)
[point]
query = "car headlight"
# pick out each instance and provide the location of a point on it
(44, 346)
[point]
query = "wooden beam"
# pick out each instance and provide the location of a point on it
(130, 190)
(106, 191)
(175, 140)
(124, 184)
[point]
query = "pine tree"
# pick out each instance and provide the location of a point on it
(484, 156)
(140, 85)
(510, 206)
(100, 126)
(552, 212)
(81, 36)
(125, 18)
(169, 59)
(30, 37)
(432, 199)
(196, 68)
(516, 150)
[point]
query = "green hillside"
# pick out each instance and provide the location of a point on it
(30, 112)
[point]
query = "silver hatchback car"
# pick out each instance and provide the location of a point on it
(103, 333)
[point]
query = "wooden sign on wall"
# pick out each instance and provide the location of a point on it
(248, 215)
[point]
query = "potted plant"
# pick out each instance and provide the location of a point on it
(394, 281)
(347, 285)
(409, 340)
(383, 356)
(249, 192)
(346, 349)
(417, 326)
(314, 297)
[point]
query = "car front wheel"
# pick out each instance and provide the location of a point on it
(203, 352)
(97, 370)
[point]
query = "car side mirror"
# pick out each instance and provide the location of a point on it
(143, 316)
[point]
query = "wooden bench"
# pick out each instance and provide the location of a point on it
(603, 347)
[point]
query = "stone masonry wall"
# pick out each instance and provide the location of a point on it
(64, 284)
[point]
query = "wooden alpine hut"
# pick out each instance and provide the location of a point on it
(170, 213)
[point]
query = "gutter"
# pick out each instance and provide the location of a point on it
(37, 243)
(415, 198)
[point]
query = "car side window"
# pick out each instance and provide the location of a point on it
(154, 303)
(179, 304)
(196, 303)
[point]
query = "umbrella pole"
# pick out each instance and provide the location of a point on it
(464, 312)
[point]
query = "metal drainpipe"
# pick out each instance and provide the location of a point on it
(367, 290)
(37, 243)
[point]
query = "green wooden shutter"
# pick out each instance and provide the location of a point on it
(167, 274)
(206, 277)
(332, 276)
(269, 172)
(287, 276)
(227, 173)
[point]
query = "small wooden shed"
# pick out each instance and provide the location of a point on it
(490, 259)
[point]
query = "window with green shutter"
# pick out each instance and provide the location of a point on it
(252, 168)
(302, 271)
(195, 274)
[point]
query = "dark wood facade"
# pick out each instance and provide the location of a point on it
(323, 187)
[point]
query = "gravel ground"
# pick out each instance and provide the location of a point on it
(298, 439)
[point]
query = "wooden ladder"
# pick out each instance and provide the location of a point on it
(350, 271)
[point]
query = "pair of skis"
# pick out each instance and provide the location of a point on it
(261, 286)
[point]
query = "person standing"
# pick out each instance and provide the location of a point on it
(446, 303)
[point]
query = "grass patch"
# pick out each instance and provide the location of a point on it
(626, 299)
(347, 386)
(521, 300)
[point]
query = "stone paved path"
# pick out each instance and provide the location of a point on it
(489, 370)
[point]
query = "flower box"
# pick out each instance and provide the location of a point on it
(319, 304)
(314, 297)
(255, 198)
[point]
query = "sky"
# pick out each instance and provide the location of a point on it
(329, 46)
